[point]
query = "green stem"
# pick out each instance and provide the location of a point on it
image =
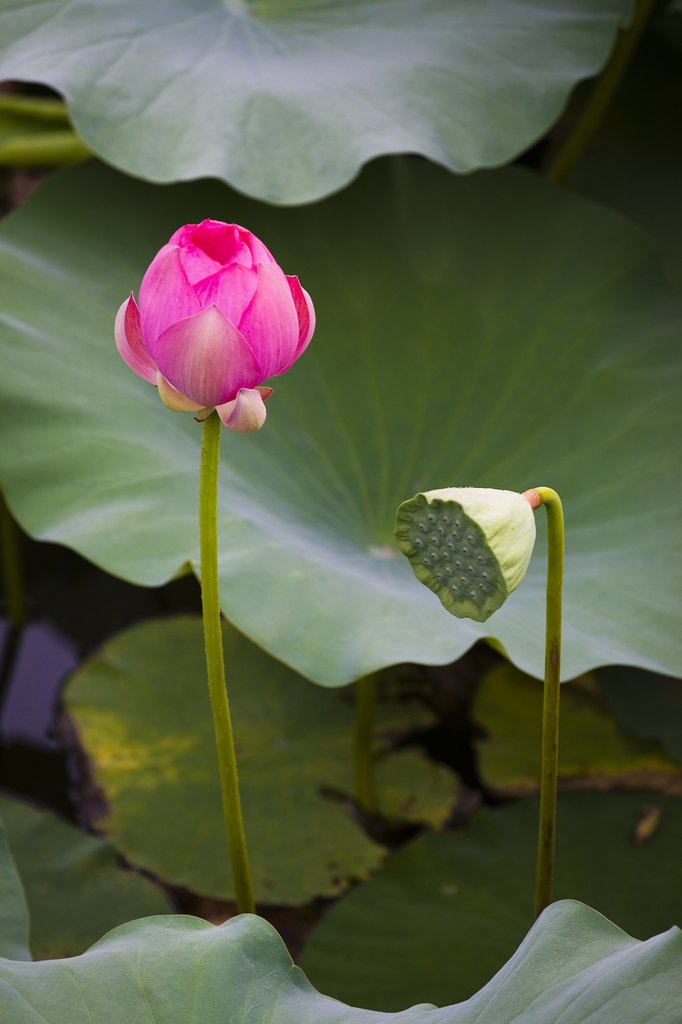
(365, 706)
(43, 149)
(208, 529)
(549, 769)
(42, 108)
(12, 577)
(601, 95)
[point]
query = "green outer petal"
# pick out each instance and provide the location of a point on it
(499, 514)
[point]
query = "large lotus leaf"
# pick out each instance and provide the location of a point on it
(508, 704)
(75, 887)
(286, 99)
(14, 918)
(634, 161)
(448, 910)
(647, 705)
(143, 712)
(492, 330)
(573, 965)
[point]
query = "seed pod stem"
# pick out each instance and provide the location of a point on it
(215, 665)
(550, 709)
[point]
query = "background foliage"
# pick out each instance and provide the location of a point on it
(142, 710)
(443, 915)
(491, 329)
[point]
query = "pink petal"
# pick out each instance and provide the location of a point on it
(129, 343)
(212, 244)
(165, 295)
(206, 358)
(246, 413)
(174, 399)
(306, 315)
(270, 324)
(196, 264)
(219, 241)
(259, 252)
(231, 290)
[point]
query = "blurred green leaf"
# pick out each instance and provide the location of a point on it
(634, 162)
(646, 704)
(75, 887)
(412, 788)
(176, 969)
(14, 916)
(443, 915)
(508, 704)
(143, 713)
(491, 330)
(286, 99)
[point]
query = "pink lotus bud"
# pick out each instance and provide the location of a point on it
(217, 316)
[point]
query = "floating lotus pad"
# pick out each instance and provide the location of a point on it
(446, 912)
(646, 704)
(143, 712)
(508, 704)
(76, 889)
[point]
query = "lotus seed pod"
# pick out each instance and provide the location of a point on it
(470, 545)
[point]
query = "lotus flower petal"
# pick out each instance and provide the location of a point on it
(222, 243)
(166, 295)
(174, 399)
(206, 358)
(306, 315)
(246, 412)
(199, 260)
(259, 252)
(270, 324)
(197, 264)
(129, 342)
(216, 315)
(231, 289)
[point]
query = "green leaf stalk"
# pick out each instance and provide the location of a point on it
(603, 92)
